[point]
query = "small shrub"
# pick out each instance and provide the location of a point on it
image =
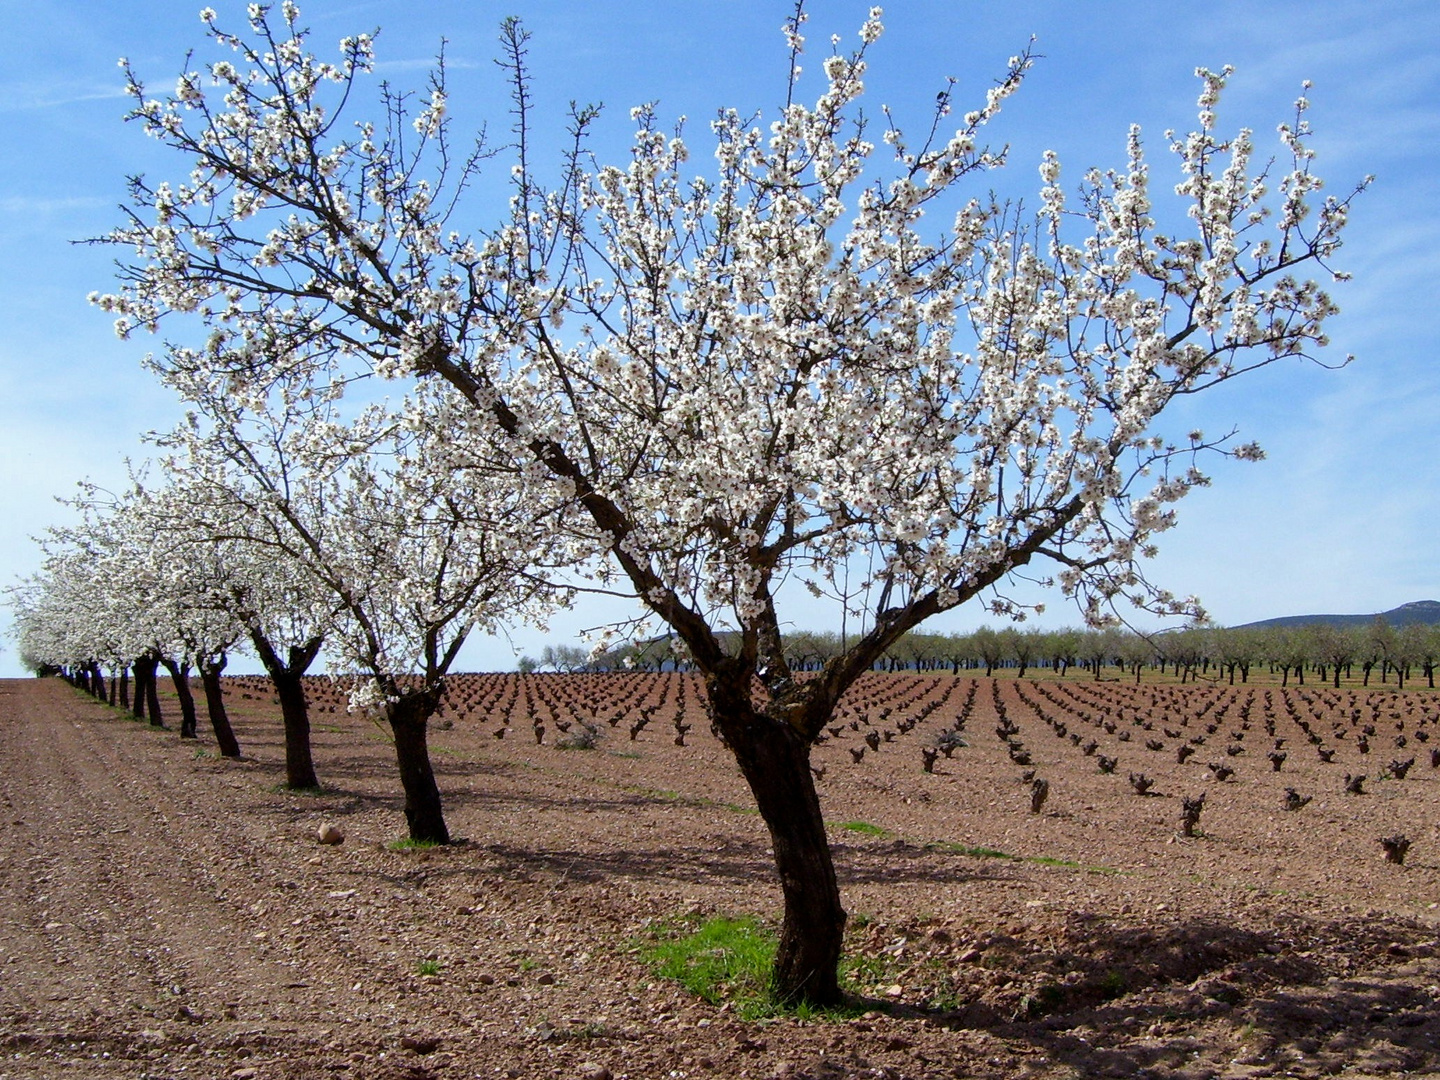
(585, 738)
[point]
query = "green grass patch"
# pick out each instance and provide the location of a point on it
(720, 960)
(865, 828)
(428, 967)
(726, 960)
(407, 844)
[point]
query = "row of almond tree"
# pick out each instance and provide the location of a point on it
(811, 360)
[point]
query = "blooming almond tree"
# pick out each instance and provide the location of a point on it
(118, 591)
(229, 592)
(413, 555)
(828, 362)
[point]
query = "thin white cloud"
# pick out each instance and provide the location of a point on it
(23, 98)
(29, 204)
(386, 66)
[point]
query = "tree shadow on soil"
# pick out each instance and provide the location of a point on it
(733, 863)
(1309, 998)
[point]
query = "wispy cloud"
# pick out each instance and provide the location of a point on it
(386, 66)
(28, 98)
(29, 204)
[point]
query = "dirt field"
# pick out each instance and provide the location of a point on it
(165, 913)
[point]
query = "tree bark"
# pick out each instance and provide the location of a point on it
(409, 716)
(137, 708)
(775, 761)
(180, 676)
(152, 698)
(147, 695)
(215, 705)
(294, 712)
(123, 678)
(97, 682)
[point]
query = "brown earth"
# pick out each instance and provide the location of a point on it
(166, 913)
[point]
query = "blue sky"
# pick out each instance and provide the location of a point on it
(1341, 518)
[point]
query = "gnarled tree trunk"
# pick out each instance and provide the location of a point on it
(294, 712)
(97, 682)
(147, 695)
(180, 676)
(210, 670)
(775, 761)
(409, 717)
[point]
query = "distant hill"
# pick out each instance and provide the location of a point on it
(1420, 611)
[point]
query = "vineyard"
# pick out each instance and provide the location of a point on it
(993, 931)
(939, 743)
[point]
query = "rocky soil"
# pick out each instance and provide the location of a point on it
(167, 913)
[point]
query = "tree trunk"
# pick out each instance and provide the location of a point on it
(295, 715)
(775, 761)
(123, 678)
(147, 694)
(215, 705)
(137, 708)
(294, 712)
(180, 676)
(152, 699)
(409, 716)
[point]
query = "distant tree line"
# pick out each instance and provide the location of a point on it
(1318, 651)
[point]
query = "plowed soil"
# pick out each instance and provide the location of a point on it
(168, 913)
